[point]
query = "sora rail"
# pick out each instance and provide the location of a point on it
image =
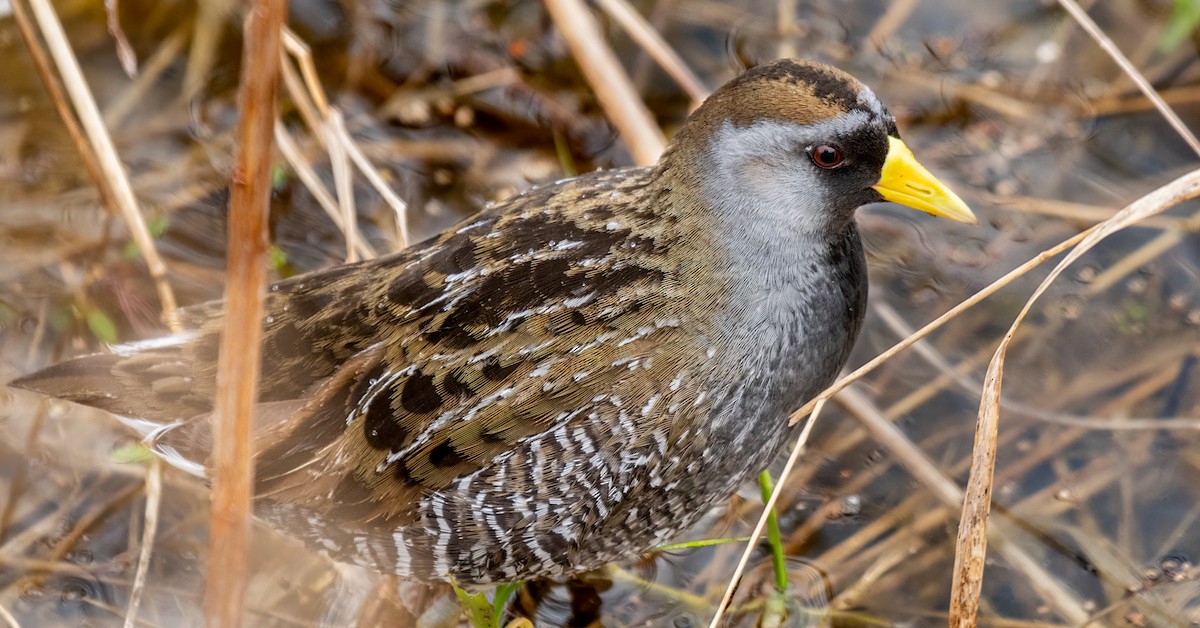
(572, 376)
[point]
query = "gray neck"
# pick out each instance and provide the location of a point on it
(791, 321)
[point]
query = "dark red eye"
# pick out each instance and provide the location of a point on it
(826, 156)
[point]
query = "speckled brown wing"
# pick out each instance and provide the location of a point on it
(415, 371)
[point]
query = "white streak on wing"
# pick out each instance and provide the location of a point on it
(479, 357)
(579, 301)
(383, 382)
(565, 245)
(421, 438)
(477, 223)
(143, 427)
(130, 348)
(459, 295)
(623, 422)
(424, 436)
(649, 405)
(169, 454)
(428, 254)
(465, 275)
(535, 348)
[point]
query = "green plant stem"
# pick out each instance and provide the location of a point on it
(767, 485)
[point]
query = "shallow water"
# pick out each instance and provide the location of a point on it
(1096, 480)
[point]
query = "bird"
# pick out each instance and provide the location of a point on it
(570, 377)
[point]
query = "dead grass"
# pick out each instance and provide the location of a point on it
(1052, 502)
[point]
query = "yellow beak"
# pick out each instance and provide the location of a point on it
(907, 182)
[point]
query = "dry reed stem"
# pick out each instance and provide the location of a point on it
(480, 82)
(150, 529)
(1144, 254)
(206, 39)
(798, 447)
(647, 37)
(63, 543)
(1115, 104)
(317, 114)
(125, 53)
(310, 179)
(303, 54)
(896, 15)
(301, 98)
(155, 65)
(54, 89)
(949, 372)
(785, 24)
(239, 359)
(608, 80)
(1109, 47)
(364, 165)
(950, 495)
(971, 550)
(8, 618)
(892, 319)
(851, 553)
(343, 178)
(971, 547)
(1084, 212)
(109, 162)
(999, 102)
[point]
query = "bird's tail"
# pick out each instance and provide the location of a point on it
(152, 381)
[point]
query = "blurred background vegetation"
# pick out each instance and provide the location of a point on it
(459, 103)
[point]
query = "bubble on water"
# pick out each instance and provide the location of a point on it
(1175, 565)
(1048, 51)
(1071, 307)
(33, 592)
(1137, 285)
(57, 408)
(73, 592)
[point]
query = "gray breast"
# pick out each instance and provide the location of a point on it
(793, 347)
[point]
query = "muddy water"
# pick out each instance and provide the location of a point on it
(1096, 476)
